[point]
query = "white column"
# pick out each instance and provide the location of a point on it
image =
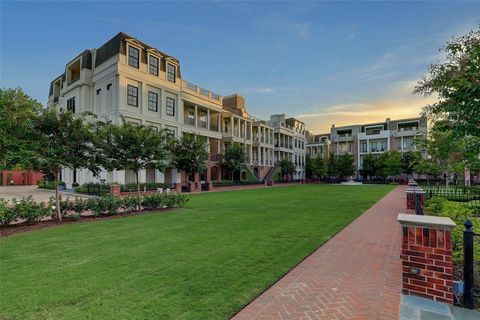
(142, 176)
(118, 176)
(196, 116)
(159, 176)
(208, 119)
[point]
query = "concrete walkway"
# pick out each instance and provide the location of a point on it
(355, 275)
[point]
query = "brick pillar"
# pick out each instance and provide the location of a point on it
(115, 190)
(411, 193)
(178, 187)
(427, 269)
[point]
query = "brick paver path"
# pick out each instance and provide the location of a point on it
(355, 275)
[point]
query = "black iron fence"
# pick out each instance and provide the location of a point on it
(470, 196)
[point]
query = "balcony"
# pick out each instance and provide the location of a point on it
(189, 121)
(201, 91)
(215, 157)
(202, 124)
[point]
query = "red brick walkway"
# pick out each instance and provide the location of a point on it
(355, 275)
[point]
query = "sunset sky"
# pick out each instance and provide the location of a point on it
(323, 62)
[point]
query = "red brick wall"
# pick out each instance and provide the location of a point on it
(411, 199)
(21, 177)
(427, 263)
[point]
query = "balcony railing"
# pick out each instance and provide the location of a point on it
(202, 124)
(190, 121)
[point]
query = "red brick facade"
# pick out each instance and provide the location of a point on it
(24, 178)
(427, 262)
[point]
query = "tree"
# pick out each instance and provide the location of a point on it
(393, 164)
(457, 83)
(318, 166)
(429, 168)
(63, 140)
(189, 153)
(17, 111)
(287, 167)
(234, 157)
(345, 166)
(134, 147)
(409, 160)
(445, 150)
(370, 166)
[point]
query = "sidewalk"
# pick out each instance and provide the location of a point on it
(355, 275)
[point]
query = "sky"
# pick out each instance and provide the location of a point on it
(322, 62)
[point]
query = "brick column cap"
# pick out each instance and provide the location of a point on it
(414, 190)
(426, 221)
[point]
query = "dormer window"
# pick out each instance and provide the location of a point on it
(171, 72)
(73, 71)
(133, 56)
(153, 65)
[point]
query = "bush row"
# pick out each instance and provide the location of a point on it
(438, 206)
(30, 211)
(26, 209)
(44, 184)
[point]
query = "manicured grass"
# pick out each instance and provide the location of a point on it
(202, 262)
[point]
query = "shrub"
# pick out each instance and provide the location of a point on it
(181, 200)
(97, 189)
(153, 201)
(158, 201)
(31, 211)
(75, 184)
(458, 212)
(129, 203)
(7, 213)
(132, 187)
(104, 205)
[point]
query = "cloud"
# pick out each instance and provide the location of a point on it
(303, 30)
(399, 103)
(265, 90)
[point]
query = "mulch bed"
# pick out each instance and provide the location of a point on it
(26, 227)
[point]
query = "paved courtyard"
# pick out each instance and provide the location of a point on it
(355, 275)
(17, 192)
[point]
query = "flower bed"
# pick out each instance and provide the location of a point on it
(17, 214)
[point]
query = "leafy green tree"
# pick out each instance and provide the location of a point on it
(332, 167)
(345, 165)
(133, 147)
(429, 168)
(17, 111)
(189, 153)
(319, 166)
(370, 166)
(445, 149)
(234, 157)
(409, 161)
(456, 81)
(63, 140)
(287, 167)
(393, 164)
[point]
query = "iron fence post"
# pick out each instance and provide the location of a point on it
(468, 265)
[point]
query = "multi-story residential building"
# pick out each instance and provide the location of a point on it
(263, 149)
(290, 141)
(319, 145)
(130, 80)
(399, 135)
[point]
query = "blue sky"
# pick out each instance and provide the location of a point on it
(325, 62)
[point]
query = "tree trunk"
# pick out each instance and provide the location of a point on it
(446, 181)
(57, 196)
(139, 201)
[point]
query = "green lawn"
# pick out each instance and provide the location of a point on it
(202, 262)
